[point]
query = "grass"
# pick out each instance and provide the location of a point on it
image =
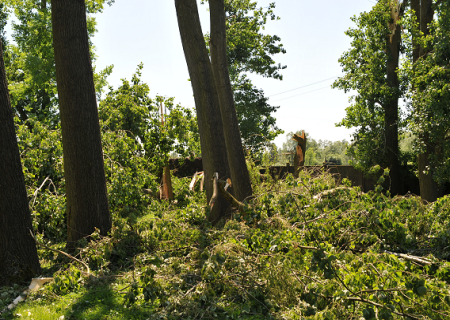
(100, 301)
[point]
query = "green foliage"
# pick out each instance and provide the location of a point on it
(365, 67)
(423, 84)
(30, 61)
(127, 172)
(135, 146)
(302, 248)
(429, 92)
(42, 161)
(8, 294)
(305, 249)
(66, 281)
(129, 108)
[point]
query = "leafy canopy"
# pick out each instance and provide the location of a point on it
(429, 93)
(29, 59)
(365, 67)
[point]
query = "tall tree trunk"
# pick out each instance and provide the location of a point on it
(45, 103)
(87, 202)
(209, 119)
(18, 255)
(391, 110)
(415, 5)
(240, 177)
(429, 189)
(426, 16)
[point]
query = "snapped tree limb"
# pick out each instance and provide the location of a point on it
(221, 186)
(411, 258)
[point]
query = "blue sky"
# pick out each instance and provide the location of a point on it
(134, 31)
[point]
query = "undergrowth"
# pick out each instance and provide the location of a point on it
(305, 248)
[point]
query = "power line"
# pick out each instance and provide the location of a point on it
(300, 94)
(311, 84)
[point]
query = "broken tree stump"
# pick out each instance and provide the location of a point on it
(299, 158)
(166, 191)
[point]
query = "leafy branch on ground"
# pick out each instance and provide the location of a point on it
(289, 254)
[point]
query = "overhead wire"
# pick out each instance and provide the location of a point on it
(308, 85)
(299, 94)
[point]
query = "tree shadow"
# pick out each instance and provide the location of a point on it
(102, 301)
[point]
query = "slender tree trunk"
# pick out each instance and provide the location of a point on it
(209, 119)
(45, 96)
(87, 202)
(391, 110)
(415, 5)
(240, 177)
(18, 255)
(429, 189)
(426, 16)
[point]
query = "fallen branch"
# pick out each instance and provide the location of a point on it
(381, 306)
(88, 272)
(180, 248)
(309, 221)
(191, 289)
(221, 186)
(38, 189)
(198, 176)
(381, 290)
(324, 215)
(305, 247)
(411, 258)
(329, 192)
(215, 191)
(230, 198)
(193, 181)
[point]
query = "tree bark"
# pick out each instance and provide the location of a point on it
(426, 16)
(209, 118)
(18, 255)
(87, 202)
(415, 5)
(240, 177)
(391, 110)
(429, 189)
